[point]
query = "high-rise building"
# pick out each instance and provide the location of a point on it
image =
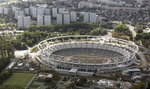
(54, 12)
(47, 11)
(1, 10)
(47, 20)
(66, 18)
(20, 22)
(86, 17)
(15, 9)
(92, 17)
(44, 20)
(63, 18)
(40, 11)
(33, 11)
(24, 21)
(6, 10)
(73, 16)
(61, 10)
(27, 21)
(18, 13)
(59, 19)
(89, 17)
(27, 11)
(40, 20)
(82, 4)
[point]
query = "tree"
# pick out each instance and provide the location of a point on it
(121, 28)
(32, 38)
(98, 31)
(139, 29)
(5, 75)
(122, 31)
(140, 85)
(82, 81)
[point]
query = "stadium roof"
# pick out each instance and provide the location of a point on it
(73, 70)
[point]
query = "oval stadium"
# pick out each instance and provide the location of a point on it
(86, 54)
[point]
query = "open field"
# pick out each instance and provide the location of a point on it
(19, 79)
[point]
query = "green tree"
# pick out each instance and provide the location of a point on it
(82, 81)
(98, 31)
(140, 85)
(122, 31)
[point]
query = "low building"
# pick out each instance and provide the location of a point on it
(45, 76)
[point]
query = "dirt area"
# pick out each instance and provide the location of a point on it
(88, 59)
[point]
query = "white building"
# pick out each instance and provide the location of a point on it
(1, 10)
(33, 11)
(73, 16)
(40, 20)
(47, 11)
(83, 4)
(18, 13)
(44, 20)
(24, 21)
(27, 11)
(63, 0)
(86, 17)
(47, 20)
(6, 10)
(59, 19)
(89, 17)
(20, 22)
(15, 9)
(62, 10)
(27, 21)
(66, 18)
(92, 17)
(113, 2)
(40, 11)
(54, 12)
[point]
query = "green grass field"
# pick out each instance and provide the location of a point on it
(19, 79)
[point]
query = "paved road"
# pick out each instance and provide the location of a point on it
(145, 49)
(142, 57)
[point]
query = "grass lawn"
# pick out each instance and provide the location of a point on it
(3, 24)
(19, 79)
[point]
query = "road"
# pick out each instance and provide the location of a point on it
(143, 59)
(146, 50)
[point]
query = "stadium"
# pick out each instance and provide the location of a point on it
(85, 54)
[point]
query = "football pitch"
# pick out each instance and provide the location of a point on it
(19, 79)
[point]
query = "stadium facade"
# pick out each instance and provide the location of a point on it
(86, 54)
